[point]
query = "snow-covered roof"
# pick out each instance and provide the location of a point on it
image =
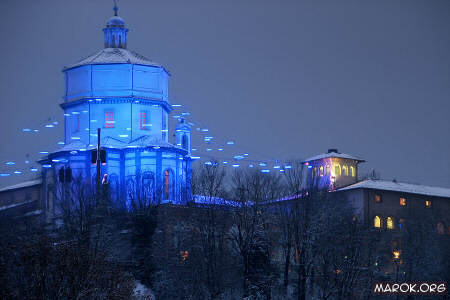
(400, 187)
(114, 56)
(333, 154)
(21, 185)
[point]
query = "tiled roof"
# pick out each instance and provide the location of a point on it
(21, 185)
(114, 56)
(400, 187)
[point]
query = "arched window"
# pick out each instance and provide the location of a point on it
(390, 223)
(377, 222)
(148, 184)
(321, 170)
(352, 171)
(440, 228)
(344, 170)
(184, 142)
(168, 184)
(337, 170)
(328, 169)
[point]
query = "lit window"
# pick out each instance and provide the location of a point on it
(166, 184)
(440, 228)
(184, 255)
(344, 170)
(321, 171)
(390, 223)
(352, 171)
(403, 201)
(143, 121)
(328, 169)
(428, 203)
(378, 198)
(377, 222)
(337, 170)
(109, 119)
(396, 254)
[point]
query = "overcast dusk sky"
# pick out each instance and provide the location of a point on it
(283, 79)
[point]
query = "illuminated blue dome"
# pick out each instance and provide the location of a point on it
(115, 21)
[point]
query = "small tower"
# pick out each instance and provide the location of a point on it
(183, 135)
(115, 32)
(332, 170)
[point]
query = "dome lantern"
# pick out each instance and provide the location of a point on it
(115, 31)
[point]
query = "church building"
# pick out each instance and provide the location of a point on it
(126, 96)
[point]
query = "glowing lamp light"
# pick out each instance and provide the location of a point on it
(265, 171)
(245, 154)
(164, 130)
(225, 162)
(250, 166)
(208, 149)
(33, 169)
(61, 143)
(75, 138)
(66, 115)
(281, 170)
(238, 157)
(176, 105)
(90, 100)
(73, 152)
(230, 143)
(27, 161)
(26, 130)
(193, 149)
(46, 166)
(43, 152)
(205, 130)
(49, 126)
(235, 166)
(156, 147)
(75, 113)
(276, 167)
(85, 111)
(55, 160)
(208, 163)
(17, 172)
(4, 174)
(220, 149)
(123, 135)
(195, 157)
(288, 167)
(262, 164)
(36, 130)
(82, 149)
(306, 163)
(98, 99)
(10, 163)
(185, 113)
(309, 167)
(396, 254)
(137, 101)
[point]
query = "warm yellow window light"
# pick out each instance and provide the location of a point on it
(328, 169)
(377, 222)
(403, 201)
(352, 171)
(337, 170)
(428, 203)
(321, 171)
(344, 170)
(390, 223)
(396, 254)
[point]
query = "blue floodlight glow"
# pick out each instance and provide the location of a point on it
(43, 152)
(194, 149)
(208, 149)
(220, 149)
(46, 166)
(66, 115)
(10, 163)
(17, 172)
(36, 130)
(4, 174)
(73, 152)
(195, 157)
(238, 157)
(33, 169)
(75, 137)
(309, 167)
(230, 143)
(277, 167)
(265, 171)
(55, 160)
(55, 123)
(75, 113)
(235, 166)
(281, 170)
(27, 161)
(123, 135)
(205, 130)
(208, 163)
(156, 147)
(176, 105)
(90, 100)
(250, 166)
(26, 130)
(185, 114)
(245, 154)
(82, 149)
(175, 116)
(224, 162)
(288, 167)
(262, 164)
(49, 126)
(85, 111)
(98, 99)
